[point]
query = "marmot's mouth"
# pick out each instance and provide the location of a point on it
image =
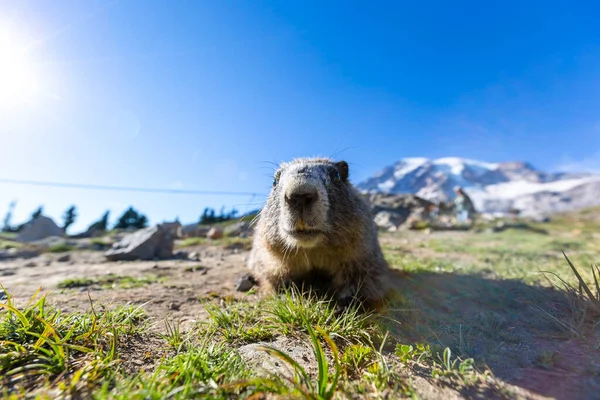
(304, 233)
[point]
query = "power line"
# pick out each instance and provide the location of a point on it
(124, 188)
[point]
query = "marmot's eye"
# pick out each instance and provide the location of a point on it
(335, 176)
(274, 182)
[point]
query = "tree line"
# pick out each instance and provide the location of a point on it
(130, 219)
(210, 217)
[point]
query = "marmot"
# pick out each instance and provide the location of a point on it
(316, 228)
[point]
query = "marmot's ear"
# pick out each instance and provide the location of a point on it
(342, 167)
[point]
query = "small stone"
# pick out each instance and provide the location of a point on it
(30, 264)
(64, 258)
(215, 233)
(245, 283)
(181, 255)
(174, 306)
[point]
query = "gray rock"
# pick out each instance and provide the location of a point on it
(245, 283)
(301, 351)
(389, 220)
(194, 256)
(40, 228)
(146, 244)
(393, 211)
(30, 264)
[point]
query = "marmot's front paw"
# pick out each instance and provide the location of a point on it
(342, 305)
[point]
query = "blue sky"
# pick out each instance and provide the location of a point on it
(204, 94)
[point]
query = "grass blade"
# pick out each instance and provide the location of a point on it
(336, 360)
(596, 281)
(580, 279)
(22, 318)
(321, 361)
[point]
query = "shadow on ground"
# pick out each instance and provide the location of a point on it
(530, 336)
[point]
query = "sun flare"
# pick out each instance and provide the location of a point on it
(18, 78)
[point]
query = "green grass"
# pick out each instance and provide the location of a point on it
(225, 242)
(46, 352)
(40, 344)
(109, 281)
(287, 315)
(101, 242)
(325, 385)
(193, 241)
(200, 371)
(60, 248)
(9, 235)
(239, 323)
(470, 309)
(471, 292)
(511, 254)
(245, 218)
(7, 243)
(293, 310)
(49, 353)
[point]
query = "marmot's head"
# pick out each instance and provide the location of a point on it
(310, 199)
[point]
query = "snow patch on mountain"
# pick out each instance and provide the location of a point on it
(494, 187)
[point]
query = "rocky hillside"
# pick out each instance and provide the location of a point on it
(494, 187)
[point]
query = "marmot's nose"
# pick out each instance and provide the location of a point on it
(301, 199)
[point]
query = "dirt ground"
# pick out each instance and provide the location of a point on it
(179, 288)
(181, 285)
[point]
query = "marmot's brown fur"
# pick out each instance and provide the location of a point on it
(317, 229)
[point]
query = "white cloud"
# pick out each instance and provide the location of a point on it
(589, 164)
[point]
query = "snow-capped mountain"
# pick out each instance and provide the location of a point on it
(494, 187)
